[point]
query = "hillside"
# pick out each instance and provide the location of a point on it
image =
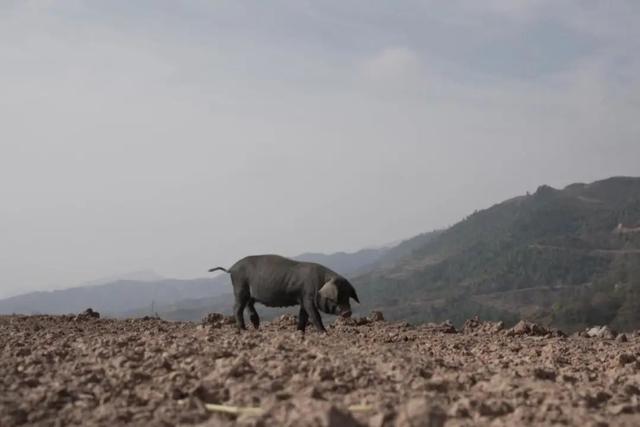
(567, 257)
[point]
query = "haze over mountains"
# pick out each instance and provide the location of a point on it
(112, 297)
(568, 257)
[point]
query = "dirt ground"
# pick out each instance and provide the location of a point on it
(81, 370)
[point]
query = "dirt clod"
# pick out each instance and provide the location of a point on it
(420, 412)
(601, 332)
(306, 412)
(475, 326)
(375, 316)
(88, 314)
(548, 374)
(626, 358)
(524, 327)
(445, 327)
(217, 320)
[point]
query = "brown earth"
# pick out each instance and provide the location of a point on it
(82, 370)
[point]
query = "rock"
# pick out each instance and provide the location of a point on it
(322, 373)
(601, 332)
(622, 408)
(240, 368)
(211, 391)
(595, 400)
(438, 384)
(471, 324)
(547, 374)
(312, 392)
(345, 321)
(375, 316)
(286, 321)
(524, 327)
(418, 412)
(383, 419)
(475, 325)
(445, 327)
(631, 390)
(527, 328)
(461, 408)
(88, 314)
(18, 416)
(309, 413)
(360, 321)
(622, 338)
(494, 408)
(217, 320)
(568, 378)
(626, 358)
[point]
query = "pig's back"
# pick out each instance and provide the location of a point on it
(272, 279)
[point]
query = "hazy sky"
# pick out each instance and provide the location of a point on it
(177, 135)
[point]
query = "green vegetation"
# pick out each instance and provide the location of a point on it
(553, 257)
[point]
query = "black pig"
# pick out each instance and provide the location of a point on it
(276, 281)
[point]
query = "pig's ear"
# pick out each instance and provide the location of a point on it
(329, 290)
(354, 295)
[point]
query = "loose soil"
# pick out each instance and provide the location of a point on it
(83, 370)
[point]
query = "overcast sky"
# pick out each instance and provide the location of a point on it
(178, 135)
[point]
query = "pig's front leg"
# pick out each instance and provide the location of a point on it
(313, 314)
(303, 318)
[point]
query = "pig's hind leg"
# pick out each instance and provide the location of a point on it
(242, 296)
(253, 314)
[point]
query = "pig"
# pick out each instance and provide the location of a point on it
(276, 281)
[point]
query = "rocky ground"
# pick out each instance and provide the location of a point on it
(83, 370)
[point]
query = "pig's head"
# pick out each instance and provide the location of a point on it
(333, 297)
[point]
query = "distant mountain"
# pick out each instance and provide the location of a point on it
(134, 276)
(344, 263)
(567, 257)
(114, 298)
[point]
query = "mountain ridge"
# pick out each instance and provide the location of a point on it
(507, 251)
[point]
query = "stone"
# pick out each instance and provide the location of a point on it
(418, 412)
(375, 316)
(601, 332)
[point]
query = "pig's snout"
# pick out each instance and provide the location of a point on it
(346, 314)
